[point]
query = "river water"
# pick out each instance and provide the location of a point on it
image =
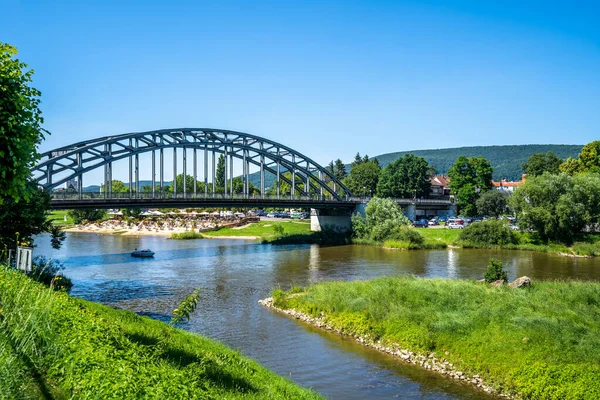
(235, 274)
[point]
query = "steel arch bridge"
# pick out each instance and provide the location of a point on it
(308, 181)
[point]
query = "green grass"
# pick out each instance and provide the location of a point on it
(58, 218)
(265, 229)
(538, 343)
(441, 235)
(56, 346)
(187, 235)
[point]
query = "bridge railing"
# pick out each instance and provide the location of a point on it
(125, 197)
(96, 196)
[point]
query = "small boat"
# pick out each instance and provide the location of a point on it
(142, 253)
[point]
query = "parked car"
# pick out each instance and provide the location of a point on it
(455, 223)
(272, 215)
(261, 213)
(434, 221)
(421, 223)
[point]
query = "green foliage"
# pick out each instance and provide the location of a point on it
(538, 163)
(469, 177)
(57, 236)
(56, 346)
(339, 170)
(495, 272)
(539, 343)
(186, 307)
(81, 216)
(505, 160)
(49, 272)
(20, 125)
(24, 219)
(487, 234)
(408, 234)
(492, 203)
(406, 177)
(133, 212)
(587, 161)
(191, 235)
(286, 189)
(558, 207)
(278, 229)
(587, 249)
(383, 219)
(363, 178)
(220, 174)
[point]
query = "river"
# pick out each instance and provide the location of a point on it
(235, 274)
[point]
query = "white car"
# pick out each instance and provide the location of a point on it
(455, 223)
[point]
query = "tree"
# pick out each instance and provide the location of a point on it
(587, 161)
(189, 184)
(220, 174)
(118, 186)
(558, 207)
(363, 178)
(383, 218)
(21, 220)
(538, 163)
(20, 125)
(469, 178)
(406, 177)
(286, 189)
(134, 212)
(339, 170)
(492, 203)
(79, 216)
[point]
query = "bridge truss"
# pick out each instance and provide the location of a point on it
(306, 178)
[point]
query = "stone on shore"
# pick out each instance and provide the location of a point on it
(523, 281)
(498, 283)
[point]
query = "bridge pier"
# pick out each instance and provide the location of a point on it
(335, 218)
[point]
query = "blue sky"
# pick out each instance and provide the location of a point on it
(327, 78)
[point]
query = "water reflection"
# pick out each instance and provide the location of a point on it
(233, 275)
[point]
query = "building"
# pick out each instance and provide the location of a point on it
(440, 186)
(508, 186)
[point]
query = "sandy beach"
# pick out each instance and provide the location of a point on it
(144, 232)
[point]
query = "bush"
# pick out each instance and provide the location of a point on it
(487, 233)
(407, 234)
(495, 272)
(187, 235)
(278, 229)
(383, 217)
(49, 272)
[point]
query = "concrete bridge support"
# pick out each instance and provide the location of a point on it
(336, 218)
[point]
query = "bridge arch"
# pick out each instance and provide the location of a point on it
(68, 163)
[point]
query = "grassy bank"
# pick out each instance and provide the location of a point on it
(187, 235)
(538, 343)
(58, 218)
(56, 346)
(266, 229)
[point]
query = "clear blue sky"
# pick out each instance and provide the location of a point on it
(328, 78)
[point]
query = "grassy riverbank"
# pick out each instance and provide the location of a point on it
(58, 217)
(265, 229)
(56, 346)
(542, 342)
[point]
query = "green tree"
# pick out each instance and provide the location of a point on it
(495, 272)
(134, 212)
(469, 178)
(357, 160)
(363, 178)
(558, 207)
(189, 184)
(220, 174)
(538, 163)
(492, 203)
(339, 170)
(382, 219)
(118, 187)
(587, 161)
(79, 216)
(20, 125)
(406, 177)
(23, 219)
(285, 188)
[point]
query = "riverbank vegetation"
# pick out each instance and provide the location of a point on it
(540, 342)
(190, 235)
(265, 229)
(56, 346)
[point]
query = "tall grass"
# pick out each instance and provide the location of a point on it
(55, 346)
(190, 235)
(538, 343)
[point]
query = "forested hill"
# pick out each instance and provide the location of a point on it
(506, 160)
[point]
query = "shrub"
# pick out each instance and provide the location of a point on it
(495, 272)
(278, 229)
(586, 249)
(187, 235)
(408, 234)
(49, 272)
(488, 233)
